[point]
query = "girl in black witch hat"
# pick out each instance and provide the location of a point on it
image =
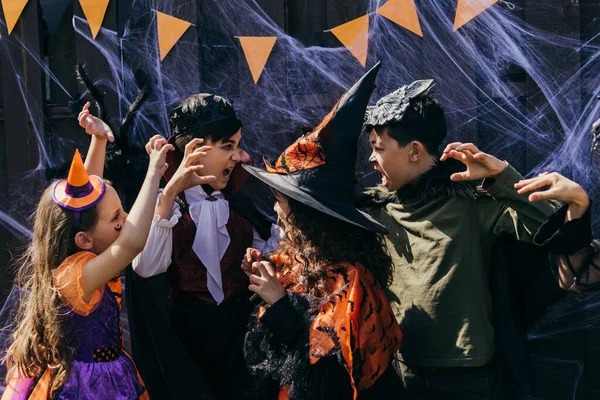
(325, 328)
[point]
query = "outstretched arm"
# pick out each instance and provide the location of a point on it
(101, 133)
(155, 258)
(568, 231)
(134, 234)
(511, 213)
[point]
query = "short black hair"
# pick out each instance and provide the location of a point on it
(423, 121)
(204, 116)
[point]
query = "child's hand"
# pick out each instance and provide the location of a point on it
(252, 256)
(557, 187)
(158, 148)
(186, 175)
(94, 126)
(265, 283)
(480, 165)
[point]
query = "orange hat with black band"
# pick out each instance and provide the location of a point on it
(79, 191)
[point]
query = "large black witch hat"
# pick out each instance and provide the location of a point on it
(318, 169)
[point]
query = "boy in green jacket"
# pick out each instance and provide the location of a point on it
(443, 227)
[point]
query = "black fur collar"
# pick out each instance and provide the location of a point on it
(433, 184)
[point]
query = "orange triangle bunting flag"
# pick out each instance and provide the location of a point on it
(12, 12)
(354, 35)
(94, 11)
(402, 12)
(170, 30)
(257, 50)
(466, 10)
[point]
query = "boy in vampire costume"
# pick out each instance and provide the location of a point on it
(203, 224)
(164, 361)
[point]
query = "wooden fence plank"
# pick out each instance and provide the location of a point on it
(187, 55)
(276, 10)
(306, 16)
(21, 77)
(554, 16)
(96, 64)
(1, 95)
(60, 50)
(342, 11)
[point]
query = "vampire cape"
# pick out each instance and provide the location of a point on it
(167, 370)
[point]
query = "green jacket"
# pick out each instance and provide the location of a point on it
(441, 238)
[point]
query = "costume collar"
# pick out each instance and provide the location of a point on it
(433, 184)
(210, 214)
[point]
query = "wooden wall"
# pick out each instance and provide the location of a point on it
(47, 104)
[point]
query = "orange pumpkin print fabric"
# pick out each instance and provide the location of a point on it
(356, 320)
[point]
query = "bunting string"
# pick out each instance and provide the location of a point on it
(353, 35)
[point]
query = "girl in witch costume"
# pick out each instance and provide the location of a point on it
(200, 232)
(325, 329)
(68, 342)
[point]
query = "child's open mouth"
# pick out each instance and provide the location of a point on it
(383, 177)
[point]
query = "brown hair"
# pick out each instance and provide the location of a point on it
(318, 240)
(39, 341)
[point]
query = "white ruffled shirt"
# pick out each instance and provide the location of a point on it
(211, 214)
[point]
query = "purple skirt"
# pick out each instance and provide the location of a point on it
(115, 380)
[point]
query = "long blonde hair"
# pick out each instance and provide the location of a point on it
(39, 341)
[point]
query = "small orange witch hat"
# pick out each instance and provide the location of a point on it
(79, 191)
